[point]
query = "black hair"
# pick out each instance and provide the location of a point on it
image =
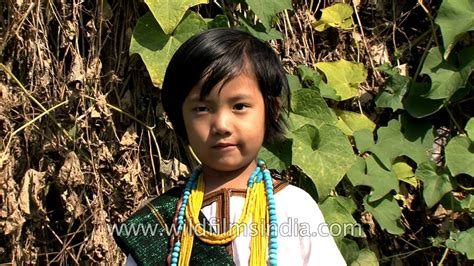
(220, 55)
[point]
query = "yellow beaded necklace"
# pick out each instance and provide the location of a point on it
(255, 208)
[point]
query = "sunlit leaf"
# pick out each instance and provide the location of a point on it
(435, 185)
(462, 242)
(169, 13)
(460, 156)
(324, 154)
(308, 107)
(404, 172)
(349, 122)
(386, 212)
(338, 15)
(266, 9)
(343, 76)
(312, 79)
(156, 48)
(470, 129)
(455, 18)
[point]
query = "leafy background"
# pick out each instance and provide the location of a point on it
(381, 130)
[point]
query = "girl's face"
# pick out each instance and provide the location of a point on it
(226, 129)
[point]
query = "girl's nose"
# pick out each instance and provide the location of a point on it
(221, 123)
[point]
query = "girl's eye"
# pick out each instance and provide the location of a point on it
(201, 109)
(240, 106)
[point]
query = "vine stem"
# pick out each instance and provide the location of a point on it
(454, 120)
(445, 254)
(34, 99)
(16, 131)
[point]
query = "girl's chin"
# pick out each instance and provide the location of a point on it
(223, 165)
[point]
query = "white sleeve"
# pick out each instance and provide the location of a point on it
(130, 261)
(317, 247)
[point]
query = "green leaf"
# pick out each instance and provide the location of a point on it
(156, 48)
(324, 154)
(259, 31)
(349, 122)
(455, 18)
(370, 173)
(312, 79)
(277, 155)
(364, 140)
(386, 212)
(470, 129)
(343, 76)
(415, 142)
(417, 104)
(446, 79)
(169, 13)
(338, 15)
(404, 172)
(266, 9)
(460, 155)
(462, 242)
(467, 204)
(220, 21)
(435, 185)
(366, 258)
(349, 249)
(294, 83)
(393, 90)
(338, 210)
(309, 108)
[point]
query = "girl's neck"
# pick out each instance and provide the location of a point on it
(237, 179)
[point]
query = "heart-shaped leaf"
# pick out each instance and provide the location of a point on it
(266, 9)
(386, 212)
(169, 13)
(343, 76)
(324, 154)
(338, 15)
(156, 48)
(435, 185)
(460, 155)
(455, 18)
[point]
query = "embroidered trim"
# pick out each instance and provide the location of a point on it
(157, 215)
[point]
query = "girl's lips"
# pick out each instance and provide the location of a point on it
(224, 146)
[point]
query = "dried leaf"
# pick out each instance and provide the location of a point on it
(173, 169)
(70, 173)
(129, 137)
(73, 205)
(77, 68)
(100, 246)
(11, 219)
(31, 196)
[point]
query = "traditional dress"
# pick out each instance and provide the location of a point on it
(303, 237)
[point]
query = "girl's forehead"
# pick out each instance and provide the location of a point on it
(241, 86)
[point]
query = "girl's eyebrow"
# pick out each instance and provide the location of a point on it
(240, 96)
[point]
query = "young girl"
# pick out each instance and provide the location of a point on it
(225, 93)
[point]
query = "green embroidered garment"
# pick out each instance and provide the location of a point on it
(145, 235)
